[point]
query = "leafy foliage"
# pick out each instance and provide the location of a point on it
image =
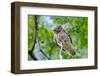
(77, 27)
(30, 31)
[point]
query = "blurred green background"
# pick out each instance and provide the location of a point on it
(77, 27)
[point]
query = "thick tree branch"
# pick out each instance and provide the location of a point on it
(35, 36)
(42, 50)
(36, 30)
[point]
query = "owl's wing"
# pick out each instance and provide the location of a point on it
(68, 36)
(59, 43)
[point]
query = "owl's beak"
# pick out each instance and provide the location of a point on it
(54, 30)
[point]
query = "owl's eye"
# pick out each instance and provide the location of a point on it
(59, 27)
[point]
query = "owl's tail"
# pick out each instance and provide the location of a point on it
(72, 51)
(70, 48)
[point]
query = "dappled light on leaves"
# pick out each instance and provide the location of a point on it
(76, 27)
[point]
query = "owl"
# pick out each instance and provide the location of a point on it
(63, 40)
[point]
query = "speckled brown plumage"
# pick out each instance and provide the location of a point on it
(63, 40)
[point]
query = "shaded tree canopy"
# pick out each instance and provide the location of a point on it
(77, 27)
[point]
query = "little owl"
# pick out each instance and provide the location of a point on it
(63, 40)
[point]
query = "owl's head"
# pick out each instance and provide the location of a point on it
(58, 29)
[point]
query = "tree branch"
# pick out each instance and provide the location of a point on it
(42, 50)
(35, 36)
(36, 30)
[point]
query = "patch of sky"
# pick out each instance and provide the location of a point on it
(47, 21)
